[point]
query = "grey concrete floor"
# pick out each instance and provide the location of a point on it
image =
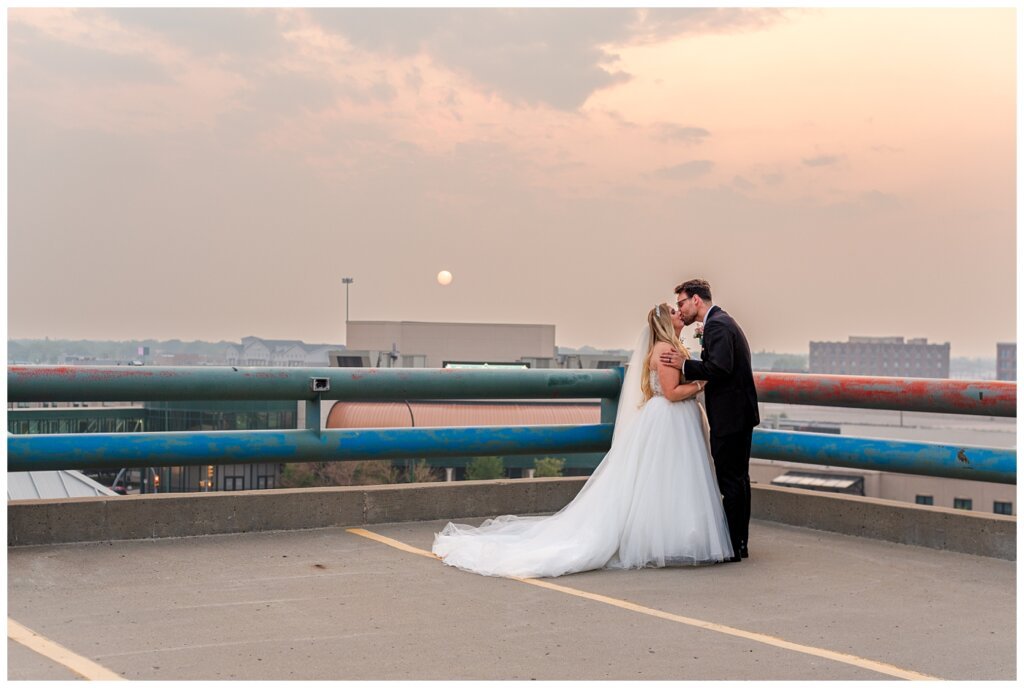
(328, 604)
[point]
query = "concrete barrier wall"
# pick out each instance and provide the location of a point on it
(92, 519)
(987, 535)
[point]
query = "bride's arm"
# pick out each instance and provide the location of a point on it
(672, 388)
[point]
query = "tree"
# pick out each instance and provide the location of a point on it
(297, 475)
(338, 473)
(548, 467)
(485, 468)
(374, 473)
(420, 472)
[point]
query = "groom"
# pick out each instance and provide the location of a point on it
(730, 397)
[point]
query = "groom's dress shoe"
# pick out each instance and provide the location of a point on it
(743, 552)
(731, 560)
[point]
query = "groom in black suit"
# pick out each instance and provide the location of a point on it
(730, 397)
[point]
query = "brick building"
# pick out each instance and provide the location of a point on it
(880, 356)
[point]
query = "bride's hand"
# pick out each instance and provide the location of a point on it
(672, 358)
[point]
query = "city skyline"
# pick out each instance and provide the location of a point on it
(177, 344)
(193, 174)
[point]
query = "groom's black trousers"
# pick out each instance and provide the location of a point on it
(731, 454)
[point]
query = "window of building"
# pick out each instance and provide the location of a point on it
(960, 503)
(234, 477)
(1003, 508)
(925, 499)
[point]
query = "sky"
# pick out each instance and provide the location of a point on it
(213, 174)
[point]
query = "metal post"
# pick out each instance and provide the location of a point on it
(609, 405)
(346, 281)
(409, 462)
(313, 414)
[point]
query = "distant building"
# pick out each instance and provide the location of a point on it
(772, 362)
(167, 416)
(467, 345)
(599, 360)
(181, 359)
(74, 360)
(254, 351)
(1006, 361)
(973, 495)
(382, 344)
(880, 356)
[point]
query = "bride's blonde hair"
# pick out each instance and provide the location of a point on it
(660, 321)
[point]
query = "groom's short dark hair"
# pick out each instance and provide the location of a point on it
(696, 287)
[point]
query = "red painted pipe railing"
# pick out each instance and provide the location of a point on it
(969, 397)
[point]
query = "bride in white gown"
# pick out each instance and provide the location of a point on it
(652, 501)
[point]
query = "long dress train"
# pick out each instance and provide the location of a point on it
(652, 501)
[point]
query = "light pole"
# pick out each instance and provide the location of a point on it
(346, 281)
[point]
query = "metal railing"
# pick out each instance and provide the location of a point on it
(312, 385)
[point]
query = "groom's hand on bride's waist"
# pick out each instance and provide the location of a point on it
(672, 359)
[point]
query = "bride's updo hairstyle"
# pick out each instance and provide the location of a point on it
(660, 321)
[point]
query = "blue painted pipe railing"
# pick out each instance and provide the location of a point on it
(919, 458)
(140, 450)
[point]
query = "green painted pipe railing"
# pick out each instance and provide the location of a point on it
(196, 383)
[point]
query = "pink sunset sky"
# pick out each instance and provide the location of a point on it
(212, 174)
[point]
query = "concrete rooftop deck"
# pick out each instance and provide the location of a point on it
(331, 604)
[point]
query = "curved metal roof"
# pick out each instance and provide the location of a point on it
(433, 414)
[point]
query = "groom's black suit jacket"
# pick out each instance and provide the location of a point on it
(730, 396)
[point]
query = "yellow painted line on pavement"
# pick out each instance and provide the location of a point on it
(392, 543)
(853, 660)
(86, 668)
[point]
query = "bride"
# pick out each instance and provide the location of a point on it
(652, 501)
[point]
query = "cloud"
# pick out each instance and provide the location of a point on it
(414, 79)
(32, 48)
(619, 120)
(665, 23)
(209, 31)
(537, 57)
(285, 93)
(743, 183)
(877, 201)
(552, 56)
(822, 160)
(686, 170)
(673, 132)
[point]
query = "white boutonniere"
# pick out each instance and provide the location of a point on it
(698, 333)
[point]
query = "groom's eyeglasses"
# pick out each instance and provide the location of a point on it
(682, 301)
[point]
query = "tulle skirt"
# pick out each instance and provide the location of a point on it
(652, 501)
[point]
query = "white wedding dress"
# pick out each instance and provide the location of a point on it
(652, 501)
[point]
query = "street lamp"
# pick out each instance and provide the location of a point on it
(346, 281)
